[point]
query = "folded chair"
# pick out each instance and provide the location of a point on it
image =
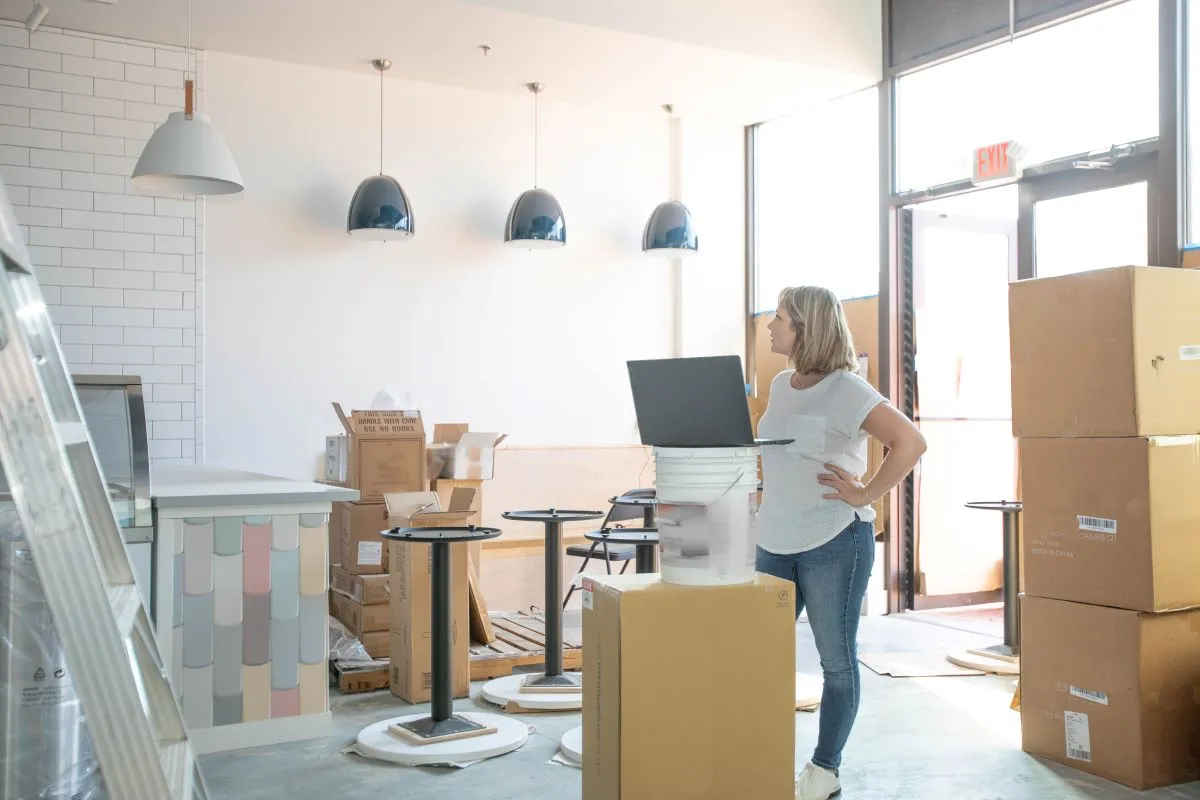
(610, 553)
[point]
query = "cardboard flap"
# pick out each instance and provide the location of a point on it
(449, 432)
(478, 442)
(406, 505)
(461, 499)
(341, 415)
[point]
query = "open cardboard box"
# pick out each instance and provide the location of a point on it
(424, 509)
(385, 452)
(465, 455)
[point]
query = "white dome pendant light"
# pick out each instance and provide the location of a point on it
(186, 155)
(380, 210)
(669, 232)
(536, 219)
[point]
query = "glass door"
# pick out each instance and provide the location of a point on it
(1098, 213)
(964, 257)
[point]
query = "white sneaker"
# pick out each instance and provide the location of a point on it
(817, 783)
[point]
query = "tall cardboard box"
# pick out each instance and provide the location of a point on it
(1113, 522)
(385, 452)
(719, 727)
(1111, 352)
(410, 585)
(1110, 692)
(357, 529)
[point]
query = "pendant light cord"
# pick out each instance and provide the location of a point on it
(381, 122)
(535, 138)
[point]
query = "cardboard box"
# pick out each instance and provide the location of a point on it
(424, 509)
(360, 619)
(367, 590)
(1112, 352)
(411, 648)
(1110, 692)
(465, 455)
(645, 735)
(358, 528)
(356, 681)
(1113, 522)
(386, 452)
(377, 644)
(337, 458)
(445, 488)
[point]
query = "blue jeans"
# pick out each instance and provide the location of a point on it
(831, 582)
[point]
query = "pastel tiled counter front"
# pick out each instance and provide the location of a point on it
(242, 575)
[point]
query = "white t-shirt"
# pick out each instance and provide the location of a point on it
(826, 422)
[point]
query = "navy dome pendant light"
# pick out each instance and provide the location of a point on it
(380, 210)
(669, 231)
(536, 220)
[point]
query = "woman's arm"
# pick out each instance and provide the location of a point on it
(905, 446)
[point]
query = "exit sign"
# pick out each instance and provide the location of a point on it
(995, 162)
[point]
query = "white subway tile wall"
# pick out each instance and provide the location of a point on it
(122, 271)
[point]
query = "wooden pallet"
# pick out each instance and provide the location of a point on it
(520, 642)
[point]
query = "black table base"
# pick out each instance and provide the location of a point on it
(1011, 511)
(645, 541)
(454, 726)
(442, 722)
(552, 683)
(554, 519)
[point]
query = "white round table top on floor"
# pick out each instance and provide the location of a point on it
(508, 693)
(375, 741)
(571, 745)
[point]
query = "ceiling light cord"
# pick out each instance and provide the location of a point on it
(381, 122)
(535, 137)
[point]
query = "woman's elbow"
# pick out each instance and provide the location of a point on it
(917, 444)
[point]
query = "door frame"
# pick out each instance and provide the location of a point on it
(1132, 162)
(1119, 168)
(923, 219)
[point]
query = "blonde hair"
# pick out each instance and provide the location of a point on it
(824, 343)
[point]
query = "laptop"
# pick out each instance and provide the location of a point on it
(693, 402)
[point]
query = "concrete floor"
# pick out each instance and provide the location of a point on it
(916, 739)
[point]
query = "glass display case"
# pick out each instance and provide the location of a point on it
(114, 409)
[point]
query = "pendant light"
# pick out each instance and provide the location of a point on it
(380, 210)
(669, 231)
(536, 220)
(186, 155)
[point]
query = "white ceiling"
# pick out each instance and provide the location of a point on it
(744, 60)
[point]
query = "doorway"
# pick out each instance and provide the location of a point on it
(1083, 213)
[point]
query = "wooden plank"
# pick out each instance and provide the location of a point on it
(570, 637)
(481, 623)
(517, 635)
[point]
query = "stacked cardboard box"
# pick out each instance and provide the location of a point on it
(1106, 406)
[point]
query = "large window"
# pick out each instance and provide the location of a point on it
(1082, 85)
(818, 199)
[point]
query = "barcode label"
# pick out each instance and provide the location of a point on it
(1095, 697)
(1079, 737)
(1097, 524)
(1189, 352)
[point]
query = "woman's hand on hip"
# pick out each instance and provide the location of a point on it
(846, 487)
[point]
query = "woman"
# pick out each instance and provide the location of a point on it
(815, 525)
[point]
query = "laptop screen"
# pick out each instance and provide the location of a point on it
(691, 402)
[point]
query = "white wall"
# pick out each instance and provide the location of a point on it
(529, 343)
(120, 270)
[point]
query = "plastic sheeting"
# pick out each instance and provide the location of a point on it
(45, 749)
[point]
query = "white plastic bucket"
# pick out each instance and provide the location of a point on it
(707, 502)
